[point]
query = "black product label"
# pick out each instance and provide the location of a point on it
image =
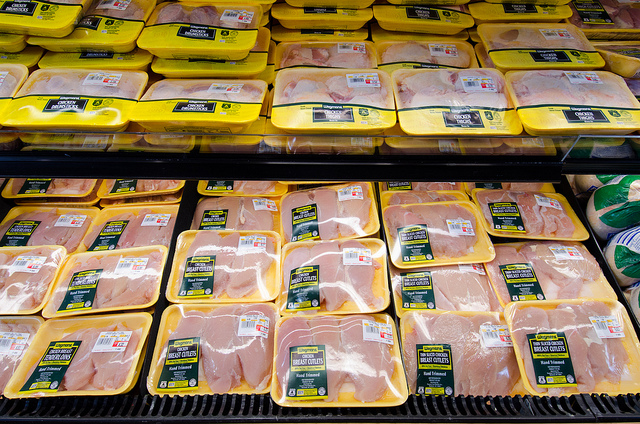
(220, 186)
(549, 56)
(52, 367)
(90, 22)
(506, 217)
(591, 12)
(584, 116)
(332, 113)
(304, 289)
(317, 31)
(399, 185)
(197, 31)
(19, 233)
(124, 186)
(320, 10)
(96, 55)
(109, 236)
(35, 186)
(25, 8)
(197, 280)
(522, 282)
(66, 104)
(417, 290)
(304, 220)
(435, 370)
(471, 119)
(414, 244)
(491, 186)
(180, 369)
(195, 106)
(307, 373)
(81, 291)
(519, 8)
(551, 360)
(214, 220)
(417, 12)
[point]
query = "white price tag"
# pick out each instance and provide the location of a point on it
(352, 48)
(356, 256)
(252, 243)
(30, 264)
(583, 77)
(373, 331)
(156, 220)
(495, 335)
(547, 202)
(70, 220)
(443, 50)
(563, 253)
(102, 78)
(225, 88)
(556, 34)
(476, 268)
(13, 343)
(112, 341)
(350, 193)
(607, 327)
(265, 205)
(113, 4)
(363, 80)
(242, 16)
(131, 266)
(478, 84)
(253, 326)
(460, 227)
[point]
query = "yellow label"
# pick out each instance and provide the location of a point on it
(137, 59)
(332, 116)
(545, 58)
(38, 15)
(551, 119)
(446, 120)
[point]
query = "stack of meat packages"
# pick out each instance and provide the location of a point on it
(63, 258)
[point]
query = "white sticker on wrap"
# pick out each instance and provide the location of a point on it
(3, 75)
(356, 256)
(476, 268)
(363, 80)
(253, 326)
(350, 193)
(13, 343)
(556, 34)
(113, 4)
(30, 264)
(96, 141)
(479, 84)
(460, 227)
(225, 88)
(265, 205)
(583, 77)
(352, 48)
(547, 202)
(252, 243)
(102, 78)
(242, 16)
(362, 141)
(607, 327)
(495, 335)
(538, 142)
(131, 265)
(156, 220)
(112, 341)
(70, 220)
(443, 50)
(373, 331)
(563, 253)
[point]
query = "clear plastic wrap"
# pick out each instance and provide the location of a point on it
(115, 189)
(391, 198)
(16, 334)
(48, 187)
(236, 213)
(622, 253)
(615, 206)
(242, 188)
(234, 345)
(321, 54)
(420, 186)
(441, 53)
(161, 199)
(606, 19)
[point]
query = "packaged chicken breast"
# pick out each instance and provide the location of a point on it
(615, 207)
(76, 99)
(543, 187)
(405, 197)
(346, 4)
(444, 20)
(280, 34)
(48, 187)
(356, 101)
(44, 18)
(420, 186)
(89, 200)
(330, 54)
(574, 346)
(214, 349)
(192, 30)
(454, 102)
(334, 277)
(539, 46)
(622, 58)
(112, 280)
(459, 353)
(16, 334)
(161, 199)
(250, 67)
(28, 57)
(242, 188)
(351, 361)
(573, 102)
(26, 277)
(320, 17)
(393, 55)
(12, 76)
(87, 356)
(225, 266)
(121, 188)
(440, 233)
(329, 213)
(378, 35)
(121, 227)
(606, 19)
(200, 105)
(237, 213)
(46, 226)
(12, 43)
(484, 12)
(546, 270)
(136, 60)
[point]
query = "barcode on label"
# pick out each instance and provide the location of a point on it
(548, 202)
(350, 193)
(495, 335)
(265, 205)
(112, 341)
(253, 326)
(253, 243)
(243, 16)
(583, 77)
(70, 220)
(225, 88)
(30, 264)
(566, 253)
(556, 34)
(352, 48)
(472, 84)
(156, 220)
(377, 332)
(13, 343)
(102, 78)
(3, 75)
(607, 327)
(363, 80)
(476, 268)
(356, 256)
(443, 50)
(460, 227)
(131, 265)
(114, 4)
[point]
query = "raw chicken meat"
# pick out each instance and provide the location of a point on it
(162, 198)
(133, 10)
(533, 36)
(424, 53)
(415, 196)
(254, 187)
(478, 370)
(218, 16)
(59, 186)
(565, 270)
(338, 283)
(329, 55)
(144, 186)
(350, 360)
(247, 91)
(9, 360)
(594, 360)
(426, 186)
(241, 214)
(228, 358)
(614, 207)
(14, 76)
(21, 288)
(538, 216)
(515, 186)
(622, 16)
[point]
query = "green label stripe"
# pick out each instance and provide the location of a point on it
(627, 259)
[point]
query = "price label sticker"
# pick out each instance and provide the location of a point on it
(460, 227)
(356, 256)
(265, 205)
(547, 202)
(377, 332)
(607, 327)
(70, 220)
(253, 326)
(156, 220)
(30, 264)
(112, 341)
(350, 193)
(495, 335)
